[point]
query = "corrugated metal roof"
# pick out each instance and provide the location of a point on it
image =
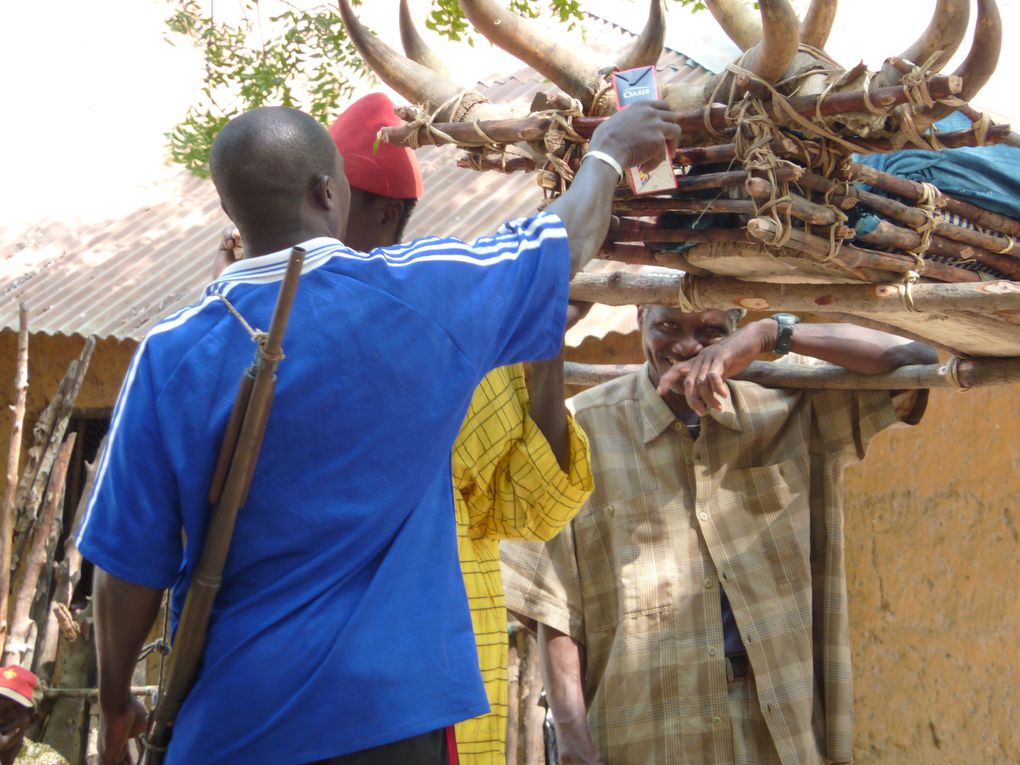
(117, 278)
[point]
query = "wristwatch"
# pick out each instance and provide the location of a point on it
(784, 340)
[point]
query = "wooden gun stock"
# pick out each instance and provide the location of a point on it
(228, 492)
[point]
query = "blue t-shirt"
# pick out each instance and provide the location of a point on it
(342, 622)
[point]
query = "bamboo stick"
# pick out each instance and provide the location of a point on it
(691, 122)
(7, 518)
(914, 191)
(955, 374)
(19, 649)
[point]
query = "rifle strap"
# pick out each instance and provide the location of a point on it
(257, 335)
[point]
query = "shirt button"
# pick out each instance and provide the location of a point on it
(717, 720)
(708, 583)
(689, 460)
(610, 509)
(703, 516)
(712, 650)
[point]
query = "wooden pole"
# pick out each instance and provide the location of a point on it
(911, 216)
(19, 647)
(7, 518)
(763, 191)
(983, 297)
(692, 122)
(902, 187)
(701, 294)
(886, 234)
(955, 374)
(49, 433)
(817, 248)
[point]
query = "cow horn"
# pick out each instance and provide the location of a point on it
(417, 83)
(414, 45)
(648, 47)
(574, 69)
(771, 57)
(737, 20)
(980, 63)
(945, 32)
(817, 24)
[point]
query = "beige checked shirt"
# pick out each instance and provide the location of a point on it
(755, 505)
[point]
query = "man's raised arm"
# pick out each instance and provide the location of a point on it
(632, 137)
(866, 351)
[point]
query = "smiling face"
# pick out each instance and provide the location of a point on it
(668, 335)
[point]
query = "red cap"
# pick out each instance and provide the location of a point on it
(391, 171)
(20, 685)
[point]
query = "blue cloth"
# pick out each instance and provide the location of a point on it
(988, 177)
(342, 623)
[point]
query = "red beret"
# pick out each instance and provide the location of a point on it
(391, 171)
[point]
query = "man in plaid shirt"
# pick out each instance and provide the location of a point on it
(695, 610)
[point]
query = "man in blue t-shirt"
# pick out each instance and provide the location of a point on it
(322, 642)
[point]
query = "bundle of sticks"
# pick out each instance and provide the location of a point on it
(789, 191)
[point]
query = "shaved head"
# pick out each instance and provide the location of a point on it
(277, 171)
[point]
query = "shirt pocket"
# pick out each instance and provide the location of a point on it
(764, 518)
(623, 552)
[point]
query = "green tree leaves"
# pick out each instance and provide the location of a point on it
(280, 52)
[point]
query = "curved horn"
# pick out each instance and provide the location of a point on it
(574, 69)
(648, 47)
(817, 24)
(980, 63)
(414, 45)
(737, 20)
(770, 58)
(416, 83)
(945, 32)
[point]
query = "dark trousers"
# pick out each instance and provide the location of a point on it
(426, 749)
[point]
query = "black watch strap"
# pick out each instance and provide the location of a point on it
(784, 338)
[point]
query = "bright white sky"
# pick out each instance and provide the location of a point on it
(92, 88)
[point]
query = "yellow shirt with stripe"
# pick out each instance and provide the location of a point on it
(507, 485)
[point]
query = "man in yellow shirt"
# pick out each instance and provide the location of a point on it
(521, 466)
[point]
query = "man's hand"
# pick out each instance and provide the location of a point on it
(634, 136)
(229, 251)
(580, 753)
(704, 375)
(117, 726)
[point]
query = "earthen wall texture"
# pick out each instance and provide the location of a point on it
(933, 559)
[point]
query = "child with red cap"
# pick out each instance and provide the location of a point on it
(19, 697)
